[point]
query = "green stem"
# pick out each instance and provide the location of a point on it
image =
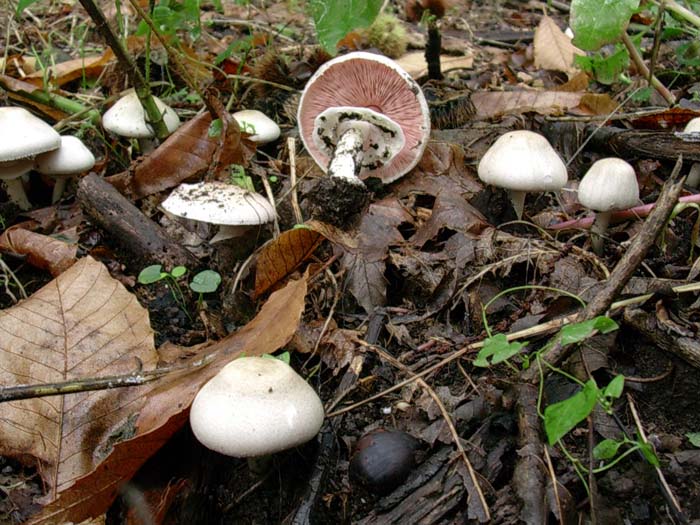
(644, 70)
(683, 12)
(155, 118)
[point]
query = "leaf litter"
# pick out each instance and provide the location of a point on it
(412, 277)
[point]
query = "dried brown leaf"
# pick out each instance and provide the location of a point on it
(186, 154)
(60, 74)
(414, 63)
(281, 256)
(82, 324)
(167, 404)
(491, 104)
(18, 90)
(42, 251)
(553, 49)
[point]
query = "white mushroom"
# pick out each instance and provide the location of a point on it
(522, 161)
(231, 207)
(262, 128)
(22, 137)
(609, 184)
(127, 118)
(362, 115)
(255, 406)
(693, 179)
(71, 158)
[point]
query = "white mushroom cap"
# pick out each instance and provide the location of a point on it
(609, 184)
(522, 161)
(23, 135)
(375, 82)
(219, 203)
(12, 169)
(266, 129)
(693, 126)
(71, 158)
(255, 406)
(127, 118)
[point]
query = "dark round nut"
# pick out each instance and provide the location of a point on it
(383, 459)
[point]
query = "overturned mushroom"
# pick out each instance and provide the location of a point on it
(361, 116)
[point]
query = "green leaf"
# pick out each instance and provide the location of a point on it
(577, 332)
(151, 274)
(498, 349)
(606, 449)
(694, 438)
(215, 128)
(606, 69)
(336, 18)
(561, 417)
(205, 282)
(648, 453)
(178, 271)
(23, 4)
(599, 22)
(615, 387)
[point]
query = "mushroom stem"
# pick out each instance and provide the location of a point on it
(260, 465)
(600, 226)
(518, 199)
(58, 188)
(15, 191)
(347, 157)
(693, 179)
(228, 231)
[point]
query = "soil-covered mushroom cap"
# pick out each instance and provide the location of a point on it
(255, 406)
(127, 118)
(70, 158)
(23, 135)
(264, 128)
(609, 184)
(374, 82)
(522, 161)
(219, 203)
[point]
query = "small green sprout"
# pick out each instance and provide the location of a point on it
(206, 281)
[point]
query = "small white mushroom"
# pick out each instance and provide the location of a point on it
(609, 184)
(693, 179)
(71, 158)
(255, 406)
(22, 137)
(522, 161)
(232, 208)
(127, 118)
(262, 127)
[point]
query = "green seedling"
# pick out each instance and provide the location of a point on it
(561, 418)
(207, 281)
(154, 273)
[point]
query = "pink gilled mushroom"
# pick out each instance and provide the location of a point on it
(361, 115)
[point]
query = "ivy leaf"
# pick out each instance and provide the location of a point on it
(336, 18)
(575, 333)
(694, 438)
(599, 22)
(498, 349)
(606, 449)
(561, 417)
(615, 387)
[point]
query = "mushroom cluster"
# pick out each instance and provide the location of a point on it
(361, 116)
(26, 143)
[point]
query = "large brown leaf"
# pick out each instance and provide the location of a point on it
(187, 154)
(82, 324)
(167, 406)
